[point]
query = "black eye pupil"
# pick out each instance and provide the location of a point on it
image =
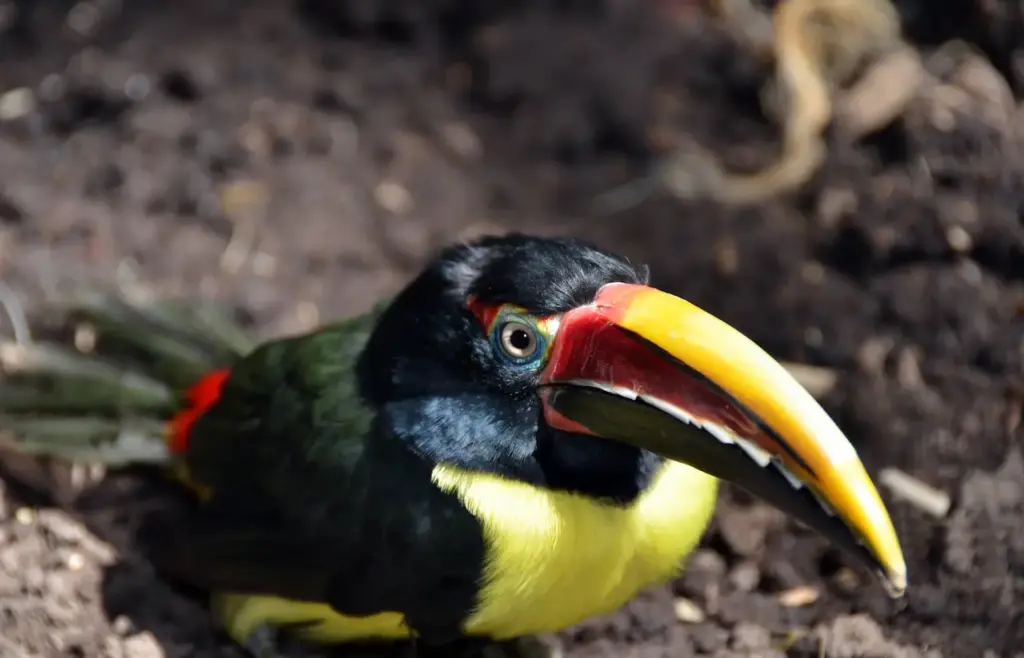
(519, 339)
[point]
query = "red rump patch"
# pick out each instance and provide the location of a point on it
(199, 398)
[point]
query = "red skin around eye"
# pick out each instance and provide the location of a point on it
(485, 313)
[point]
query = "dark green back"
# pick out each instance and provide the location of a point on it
(314, 500)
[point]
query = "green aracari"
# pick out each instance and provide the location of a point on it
(525, 436)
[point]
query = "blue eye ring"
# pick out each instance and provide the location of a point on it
(518, 340)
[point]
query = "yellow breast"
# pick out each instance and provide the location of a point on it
(556, 558)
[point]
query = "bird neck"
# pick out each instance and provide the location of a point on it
(488, 434)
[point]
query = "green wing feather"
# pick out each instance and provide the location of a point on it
(309, 500)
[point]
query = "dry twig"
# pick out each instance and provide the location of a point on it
(817, 45)
(923, 496)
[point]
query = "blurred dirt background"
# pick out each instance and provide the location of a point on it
(299, 159)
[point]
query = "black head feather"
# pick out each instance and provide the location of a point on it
(545, 276)
(432, 372)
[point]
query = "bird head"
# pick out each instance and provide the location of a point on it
(553, 362)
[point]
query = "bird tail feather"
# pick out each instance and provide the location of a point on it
(103, 388)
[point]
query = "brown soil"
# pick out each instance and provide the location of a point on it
(901, 265)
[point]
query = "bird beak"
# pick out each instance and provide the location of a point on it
(643, 367)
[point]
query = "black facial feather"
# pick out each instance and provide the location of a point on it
(431, 371)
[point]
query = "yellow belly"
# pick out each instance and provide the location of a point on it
(555, 558)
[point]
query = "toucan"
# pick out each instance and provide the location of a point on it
(525, 436)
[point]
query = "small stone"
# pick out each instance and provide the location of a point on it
(959, 239)
(750, 637)
(25, 516)
(143, 645)
(739, 607)
(460, 138)
(34, 577)
(539, 646)
(745, 576)
(971, 272)
(307, 314)
(708, 638)
(112, 647)
(873, 352)
(255, 138)
(52, 87)
(846, 579)
(959, 211)
(813, 337)
(908, 369)
(688, 612)
(16, 103)
(799, 597)
(835, 204)
(882, 94)
(69, 531)
(85, 337)
(263, 264)
(75, 561)
(745, 529)
(702, 578)
(988, 89)
(393, 197)
(137, 87)
(122, 625)
(708, 561)
(850, 636)
(941, 110)
(812, 272)
(84, 17)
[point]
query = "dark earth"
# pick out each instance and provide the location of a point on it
(298, 160)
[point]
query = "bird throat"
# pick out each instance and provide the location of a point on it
(612, 472)
(478, 433)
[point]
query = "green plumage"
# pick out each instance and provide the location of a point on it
(307, 500)
(420, 469)
(297, 393)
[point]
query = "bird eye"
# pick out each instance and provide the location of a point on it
(518, 340)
